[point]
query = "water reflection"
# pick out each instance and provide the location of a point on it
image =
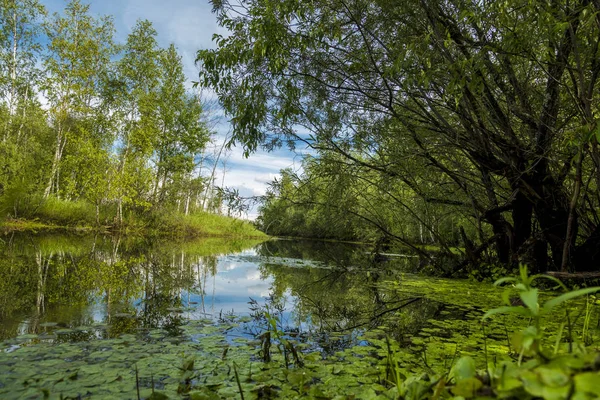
(80, 288)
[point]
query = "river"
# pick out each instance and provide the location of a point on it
(108, 316)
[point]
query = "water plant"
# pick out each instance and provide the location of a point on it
(528, 341)
(269, 319)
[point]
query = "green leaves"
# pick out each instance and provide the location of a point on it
(527, 342)
(550, 304)
(463, 369)
(530, 296)
(507, 310)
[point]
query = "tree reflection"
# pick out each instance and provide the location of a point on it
(53, 283)
(345, 294)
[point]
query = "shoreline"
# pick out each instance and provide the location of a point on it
(181, 231)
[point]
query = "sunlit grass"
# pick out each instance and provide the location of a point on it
(53, 213)
(206, 224)
(67, 213)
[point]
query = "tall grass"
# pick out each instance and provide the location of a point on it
(206, 224)
(35, 212)
(51, 210)
(67, 213)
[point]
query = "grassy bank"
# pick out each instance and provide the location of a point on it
(55, 214)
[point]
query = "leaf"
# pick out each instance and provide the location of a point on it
(297, 378)
(504, 280)
(507, 310)
(524, 276)
(188, 364)
(464, 369)
(158, 396)
(550, 304)
(550, 278)
(521, 286)
(553, 377)
(467, 388)
(530, 299)
(588, 383)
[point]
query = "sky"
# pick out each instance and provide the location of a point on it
(190, 25)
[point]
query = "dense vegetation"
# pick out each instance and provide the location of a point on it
(469, 126)
(436, 120)
(94, 132)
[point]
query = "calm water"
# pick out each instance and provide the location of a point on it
(58, 288)
(99, 316)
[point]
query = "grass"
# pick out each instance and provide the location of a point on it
(21, 225)
(206, 224)
(67, 213)
(38, 214)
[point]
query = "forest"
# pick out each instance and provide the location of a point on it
(95, 132)
(458, 124)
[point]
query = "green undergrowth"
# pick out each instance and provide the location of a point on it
(205, 224)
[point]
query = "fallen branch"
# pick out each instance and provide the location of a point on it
(381, 314)
(574, 275)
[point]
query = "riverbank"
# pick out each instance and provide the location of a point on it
(36, 214)
(167, 224)
(170, 226)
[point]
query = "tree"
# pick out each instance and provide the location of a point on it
(79, 50)
(496, 98)
(138, 75)
(22, 122)
(19, 25)
(182, 133)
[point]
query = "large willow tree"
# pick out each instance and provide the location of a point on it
(497, 99)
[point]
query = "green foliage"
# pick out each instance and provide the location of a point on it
(119, 134)
(528, 341)
(424, 117)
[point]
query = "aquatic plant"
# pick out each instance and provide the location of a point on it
(268, 317)
(528, 341)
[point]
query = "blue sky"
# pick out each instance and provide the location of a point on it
(190, 25)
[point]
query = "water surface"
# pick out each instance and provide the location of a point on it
(108, 316)
(109, 285)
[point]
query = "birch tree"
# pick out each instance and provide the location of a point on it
(79, 50)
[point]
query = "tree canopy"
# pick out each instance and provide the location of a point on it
(86, 119)
(484, 110)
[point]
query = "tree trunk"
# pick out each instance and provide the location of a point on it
(571, 231)
(522, 213)
(551, 210)
(60, 145)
